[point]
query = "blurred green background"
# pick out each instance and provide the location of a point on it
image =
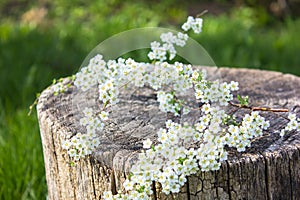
(42, 40)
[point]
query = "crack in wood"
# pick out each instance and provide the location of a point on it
(93, 180)
(188, 189)
(154, 190)
(266, 176)
(55, 158)
(290, 175)
(228, 180)
(113, 182)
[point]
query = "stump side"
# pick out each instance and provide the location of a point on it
(270, 169)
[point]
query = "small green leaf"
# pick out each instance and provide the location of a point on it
(181, 73)
(130, 175)
(239, 98)
(243, 100)
(34, 103)
(153, 147)
(200, 77)
(181, 160)
(141, 189)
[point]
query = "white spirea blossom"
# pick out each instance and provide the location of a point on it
(62, 85)
(171, 159)
(214, 91)
(81, 145)
(92, 74)
(168, 103)
(160, 51)
(193, 23)
(147, 144)
(252, 126)
(293, 124)
(58, 88)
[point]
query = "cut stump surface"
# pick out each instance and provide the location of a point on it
(270, 169)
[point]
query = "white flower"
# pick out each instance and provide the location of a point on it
(200, 127)
(282, 132)
(234, 86)
(66, 144)
(195, 24)
(128, 185)
(292, 116)
(186, 26)
(206, 108)
(147, 143)
(107, 195)
(198, 25)
(72, 152)
(104, 115)
(233, 129)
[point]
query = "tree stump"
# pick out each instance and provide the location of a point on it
(270, 169)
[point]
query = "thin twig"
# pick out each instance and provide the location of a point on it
(255, 108)
(125, 84)
(202, 13)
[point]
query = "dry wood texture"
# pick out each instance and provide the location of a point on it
(270, 169)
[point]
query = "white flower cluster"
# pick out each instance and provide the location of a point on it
(215, 92)
(169, 162)
(81, 145)
(192, 23)
(62, 85)
(92, 121)
(163, 73)
(58, 88)
(115, 74)
(168, 103)
(252, 126)
(293, 124)
(160, 51)
(91, 75)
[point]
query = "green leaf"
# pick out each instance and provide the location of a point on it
(141, 189)
(239, 98)
(153, 147)
(181, 160)
(72, 164)
(130, 175)
(243, 100)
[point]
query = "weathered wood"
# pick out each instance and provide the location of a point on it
(270, 169)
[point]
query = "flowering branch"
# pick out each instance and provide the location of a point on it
(169, 160)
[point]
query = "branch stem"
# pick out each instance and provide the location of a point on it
(256, 108)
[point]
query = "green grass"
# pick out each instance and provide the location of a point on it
(21, 167)
(31, 56)
(234, 41)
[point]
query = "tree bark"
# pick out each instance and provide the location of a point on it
(270, 169)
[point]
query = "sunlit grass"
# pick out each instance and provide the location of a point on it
(21, 161)
(232, 42)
